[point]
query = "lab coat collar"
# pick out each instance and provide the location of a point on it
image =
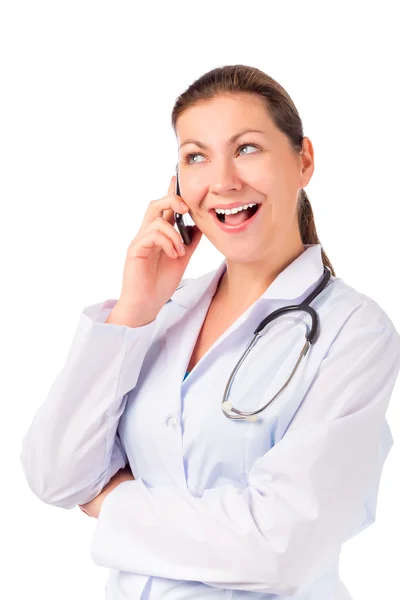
(290, 284)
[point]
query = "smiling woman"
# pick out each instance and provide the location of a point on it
(244, 183)
(209, 506)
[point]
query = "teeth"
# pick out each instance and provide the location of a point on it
(233, 211)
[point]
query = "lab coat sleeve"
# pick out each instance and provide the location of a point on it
(304, 497)
(71, 451)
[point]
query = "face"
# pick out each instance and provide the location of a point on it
(255, 168)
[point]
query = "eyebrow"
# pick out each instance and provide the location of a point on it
(232, 139)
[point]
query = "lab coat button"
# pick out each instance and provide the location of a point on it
(171, 423)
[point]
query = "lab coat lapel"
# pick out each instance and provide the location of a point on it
(186, 313)
(189, 306)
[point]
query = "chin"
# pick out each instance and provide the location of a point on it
(245, 254)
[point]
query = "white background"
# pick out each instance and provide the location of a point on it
(87, 90)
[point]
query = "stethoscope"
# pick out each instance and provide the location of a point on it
(252, 416)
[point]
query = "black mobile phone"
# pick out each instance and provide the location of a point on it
(184, 230)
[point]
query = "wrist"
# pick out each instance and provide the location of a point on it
(123, 316)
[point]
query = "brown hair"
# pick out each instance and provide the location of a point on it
(233, 79)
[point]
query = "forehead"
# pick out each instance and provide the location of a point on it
(225, 115)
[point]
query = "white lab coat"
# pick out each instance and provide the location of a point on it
(219, 508)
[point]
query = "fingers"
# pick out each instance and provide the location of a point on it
(161, 239)
(176, 206)
(172, 185)
(85, 511)
(165, 207)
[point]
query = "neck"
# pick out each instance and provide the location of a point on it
(244, 282)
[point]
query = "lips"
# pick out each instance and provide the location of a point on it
(233, 205)
(235, 228)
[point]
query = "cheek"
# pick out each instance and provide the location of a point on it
(262, 179)
(195, 185)
(279, 186)
(194, 196)
(277, 212)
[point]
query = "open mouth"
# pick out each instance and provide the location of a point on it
(239, 217)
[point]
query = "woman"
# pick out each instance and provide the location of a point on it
(189, 502)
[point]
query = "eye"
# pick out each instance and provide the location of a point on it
(193, 154)
(247, 146)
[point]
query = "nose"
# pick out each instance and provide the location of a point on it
(224, 179)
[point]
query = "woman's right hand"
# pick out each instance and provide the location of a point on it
(93, 507)
(152, 272)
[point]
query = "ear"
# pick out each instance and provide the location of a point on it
(307, 162)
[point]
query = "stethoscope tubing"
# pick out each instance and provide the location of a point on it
(260, 330)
